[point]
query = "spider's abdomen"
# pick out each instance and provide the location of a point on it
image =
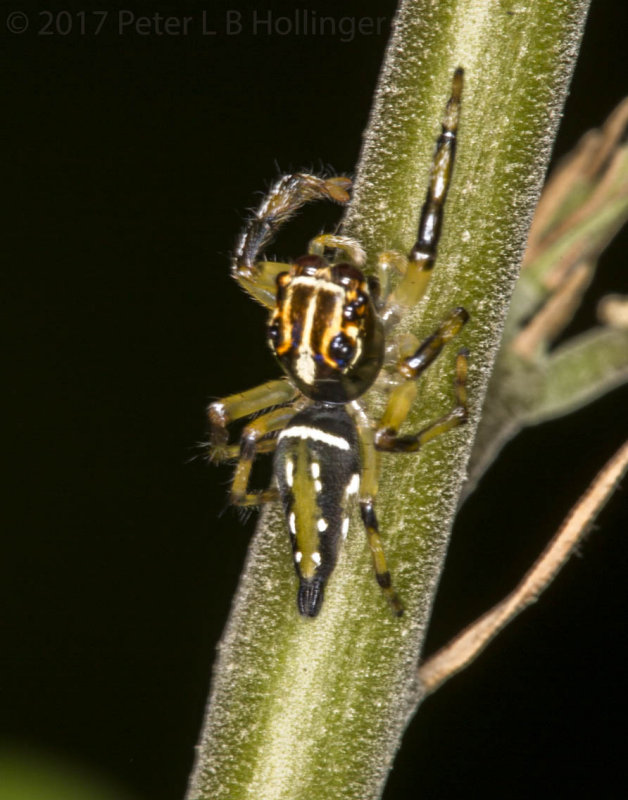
(318, 471)
(325, 330)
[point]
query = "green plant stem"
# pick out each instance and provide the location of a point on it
(523, 393)
(303, 709)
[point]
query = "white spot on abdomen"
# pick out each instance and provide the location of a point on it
(289, 472)
(354, 484)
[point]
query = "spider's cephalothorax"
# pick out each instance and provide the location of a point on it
(330, 331)
(325, 330)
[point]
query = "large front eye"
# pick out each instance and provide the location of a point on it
(341, 349)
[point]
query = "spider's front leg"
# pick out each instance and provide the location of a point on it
(285, 198)
(417, 266)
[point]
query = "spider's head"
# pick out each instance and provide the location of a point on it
(325, 330)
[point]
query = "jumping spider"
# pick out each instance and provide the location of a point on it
(329, 328)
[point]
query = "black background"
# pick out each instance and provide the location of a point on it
(129, 161)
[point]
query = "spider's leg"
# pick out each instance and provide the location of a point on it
(389, 261)
(422, 256)
(249, 447)
(368, 490)
(283, 200)
(386, 436)
(262, 284)
(411, 367)
(237, 406)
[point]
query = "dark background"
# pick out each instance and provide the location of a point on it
(129, 161)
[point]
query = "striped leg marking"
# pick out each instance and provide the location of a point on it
(249, 447)
(285, 198)
(382, 573)
(431, 348)
(403, 396)
(421, 258)
(386, 438)
(237, 406)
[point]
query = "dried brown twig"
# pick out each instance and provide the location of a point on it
(465, 648)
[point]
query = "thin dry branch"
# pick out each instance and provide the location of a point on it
(592, 161)
(548, 323)
(460, 652)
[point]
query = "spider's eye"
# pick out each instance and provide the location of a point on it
(309, 265)
(356, 308)
(273, 333)
(346, 274)
(341, 349)
(360, 300)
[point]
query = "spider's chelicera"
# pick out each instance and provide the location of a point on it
(329, 329)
